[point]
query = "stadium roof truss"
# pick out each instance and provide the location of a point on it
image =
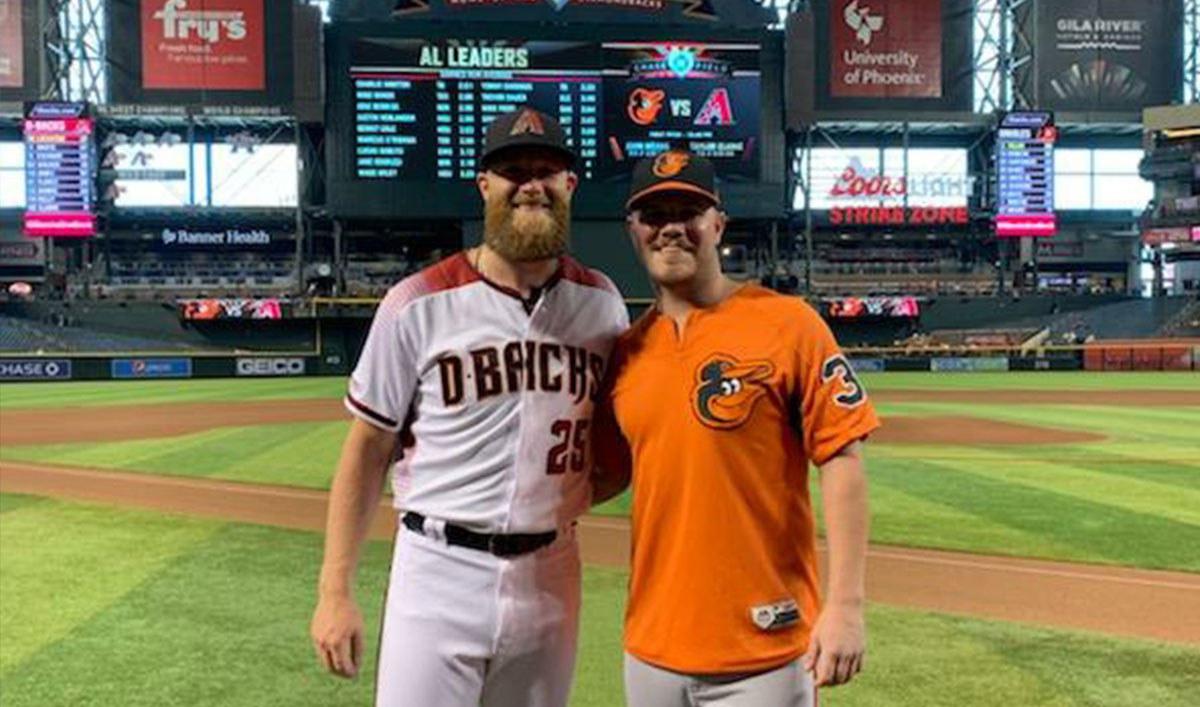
(74, 36)
(1191, 51)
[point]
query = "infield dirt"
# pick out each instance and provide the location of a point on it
(1122, 601)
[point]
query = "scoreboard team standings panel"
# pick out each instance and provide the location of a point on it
(420, 108)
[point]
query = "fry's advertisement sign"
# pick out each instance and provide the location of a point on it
(203, 44)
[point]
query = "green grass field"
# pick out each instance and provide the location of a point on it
(1131, 499)
(105, 606)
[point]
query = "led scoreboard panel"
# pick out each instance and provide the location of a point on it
(407, 114)
(59, 158)
(701, 96)
(421, 108)
(1025, 169)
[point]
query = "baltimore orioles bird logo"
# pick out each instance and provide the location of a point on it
(670, 163)
(727, 390)
(645, 104)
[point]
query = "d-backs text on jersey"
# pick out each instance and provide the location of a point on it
(521, 366)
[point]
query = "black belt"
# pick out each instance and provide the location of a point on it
(501, 545)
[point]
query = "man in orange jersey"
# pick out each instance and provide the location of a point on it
(724, 392)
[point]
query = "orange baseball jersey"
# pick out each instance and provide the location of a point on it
(721, 424)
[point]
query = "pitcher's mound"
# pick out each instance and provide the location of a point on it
(970, 431)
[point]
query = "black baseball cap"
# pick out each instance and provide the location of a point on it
(525, 127)
(674, 171)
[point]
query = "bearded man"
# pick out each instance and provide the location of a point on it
(476, 387)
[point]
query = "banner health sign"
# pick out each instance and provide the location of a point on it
(1108, 55)
(201, 52)
(30, 369)
(152, 368)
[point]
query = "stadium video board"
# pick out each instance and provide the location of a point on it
(1025, 174)
(59, 170)
(408, 114)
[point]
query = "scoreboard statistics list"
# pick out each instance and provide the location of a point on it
(421, 108)
(429, 118)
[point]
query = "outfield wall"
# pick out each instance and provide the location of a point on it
(63, 367)
(1165, 355)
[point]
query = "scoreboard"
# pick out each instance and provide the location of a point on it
(421, 109)
(1025, 169)
(59, 173)
(407, 115)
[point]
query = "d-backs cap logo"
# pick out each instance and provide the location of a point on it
(645, 105)
(671, 163)
(203, 44)
(864, 24)
(727, 390)
(528, 122)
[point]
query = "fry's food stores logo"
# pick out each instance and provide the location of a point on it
(203, 44)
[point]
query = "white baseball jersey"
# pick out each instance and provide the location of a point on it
(496, 391)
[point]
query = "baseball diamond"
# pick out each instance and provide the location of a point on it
(599, 353)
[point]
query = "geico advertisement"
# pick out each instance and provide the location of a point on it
(270, 367)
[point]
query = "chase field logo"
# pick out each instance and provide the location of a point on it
(727, 390)
(860, 19)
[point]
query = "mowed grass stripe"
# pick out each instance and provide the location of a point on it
(1136, 495)
(934, 660)
(225, 623)
(96, 393)
(1134, 461)
(1032, 380)
(63, 563)
(294, 454)
(1092, 532)
(13, 501)
(901, 518)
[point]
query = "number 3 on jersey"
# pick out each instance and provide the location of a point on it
(571, 449)
(852, 393)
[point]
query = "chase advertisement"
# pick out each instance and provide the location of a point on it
(200, 52)
(1108, 55)
(35, 369)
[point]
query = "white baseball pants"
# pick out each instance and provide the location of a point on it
(464, 628)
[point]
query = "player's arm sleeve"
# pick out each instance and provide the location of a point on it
(834, 407)
(385, 379)
(612, 460)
